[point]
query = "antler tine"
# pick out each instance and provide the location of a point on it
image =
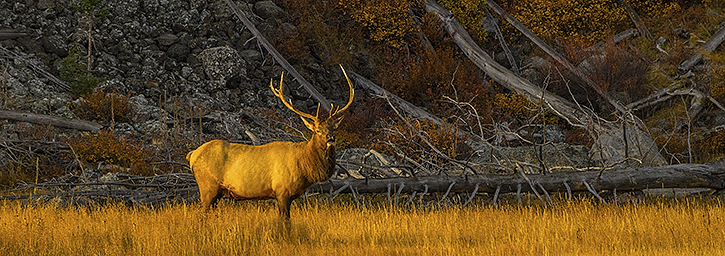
(339, 110)
(280, 94)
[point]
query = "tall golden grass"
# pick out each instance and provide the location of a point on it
(662, 227)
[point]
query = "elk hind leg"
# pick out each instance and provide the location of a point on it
(209, 194)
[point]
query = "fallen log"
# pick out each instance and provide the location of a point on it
(709, 46)
(58, 121)
(431, 6)
(277, 56)
(710, 175)
(609, 146)
(405, 106)
(635, 19)
(5, 53)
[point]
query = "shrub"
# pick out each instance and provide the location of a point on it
(101, 106)
(322, 31)
(470, 14)
(618, 70)
(107, 147)
(717, 85)
(516, 105)
(444, 137)
(33, 158)
(711, 147)
(77, 76)
(386, 21)
(592, 20)
(360, 126)
(716, 69)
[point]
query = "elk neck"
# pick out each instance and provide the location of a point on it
(319, 161)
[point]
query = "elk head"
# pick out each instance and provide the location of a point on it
(323, 130)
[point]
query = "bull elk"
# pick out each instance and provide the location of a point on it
(282, 170)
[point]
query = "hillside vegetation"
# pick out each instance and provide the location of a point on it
(146, 77)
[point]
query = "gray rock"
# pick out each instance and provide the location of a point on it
(554, 134)
(267, 9)
(221, 63)
(167, 39)
(251, 55)
(55, 44)
(489, 24)
(30, 45)
(354, 156)
(609, 148)
(481, 153)
(125, 8)
(45, 4)
(178, 51)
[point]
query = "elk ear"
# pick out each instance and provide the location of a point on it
(309, 124)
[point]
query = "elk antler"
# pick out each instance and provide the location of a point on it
(279, 93)
(336, 112)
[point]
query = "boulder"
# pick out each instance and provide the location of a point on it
(222, 63)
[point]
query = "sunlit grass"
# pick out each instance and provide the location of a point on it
(661, 227)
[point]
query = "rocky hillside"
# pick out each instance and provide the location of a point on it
(184, 62)
(194, 52)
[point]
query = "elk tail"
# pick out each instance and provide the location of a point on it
(188, 156)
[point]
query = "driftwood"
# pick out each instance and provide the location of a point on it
(502, 41)
(710, 175)
(130, 189)
(709, 46)
(609, 138)
(58, 121)
(277, 56)
(181, 187)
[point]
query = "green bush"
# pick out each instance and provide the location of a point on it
(76, 74)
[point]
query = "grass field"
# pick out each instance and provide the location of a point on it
(659, 227)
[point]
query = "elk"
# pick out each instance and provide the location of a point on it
(282, 170)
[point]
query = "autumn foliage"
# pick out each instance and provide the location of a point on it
(102, 106)
(116, 150)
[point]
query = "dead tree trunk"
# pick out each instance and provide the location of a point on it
(558, 57)
(635, 19)
(58, 121)
(709, 46)
(277, 56)
(609, 138)
(710, 175)
(405, 106)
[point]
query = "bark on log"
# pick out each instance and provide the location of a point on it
(710, 175)
(277, 56)
(7, 34)
(502, 41)
(609, 139)
(5, 53)
(635, 19)
(405, 106)
(709, 46)
(58, 121)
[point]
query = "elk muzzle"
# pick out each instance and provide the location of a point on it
(331, 140)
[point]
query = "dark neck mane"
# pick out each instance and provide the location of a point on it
(318, 160)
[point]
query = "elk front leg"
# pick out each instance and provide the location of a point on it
(283, 204)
